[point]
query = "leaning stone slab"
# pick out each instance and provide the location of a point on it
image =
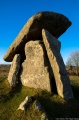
(61, 77)
(55, 23)
(14, 70)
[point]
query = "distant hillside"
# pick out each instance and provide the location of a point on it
(4, 67)
(72, 70)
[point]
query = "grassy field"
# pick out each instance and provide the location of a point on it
(55, 106)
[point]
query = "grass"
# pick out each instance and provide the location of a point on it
(75, 86)
(54, 105)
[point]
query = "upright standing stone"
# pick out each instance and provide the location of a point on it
(35, 70)
(14, 70)
(61, 76)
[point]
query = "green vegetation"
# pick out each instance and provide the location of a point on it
(55, 106)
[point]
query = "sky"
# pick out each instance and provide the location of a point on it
(15, 13)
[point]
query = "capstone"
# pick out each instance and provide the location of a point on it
(55, 23)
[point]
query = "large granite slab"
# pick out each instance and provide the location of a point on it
(52, 46)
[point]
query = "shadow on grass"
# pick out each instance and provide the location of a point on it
(56, 107)
(76, 92)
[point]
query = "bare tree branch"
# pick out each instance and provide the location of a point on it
(73, 60)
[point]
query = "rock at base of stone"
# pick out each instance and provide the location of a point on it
(44, 116)
(39, 108)
(61, 76)
(38, 105)
(25, 103)
(35, 70)
(14, 70)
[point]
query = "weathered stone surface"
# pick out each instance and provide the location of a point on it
(35, 70)
(25, 103)
(38, 105)
(61, 77)
(55, 23)
(44, 117)
(14, 69)
(39, 108)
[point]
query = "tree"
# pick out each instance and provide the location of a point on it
(73, 60)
